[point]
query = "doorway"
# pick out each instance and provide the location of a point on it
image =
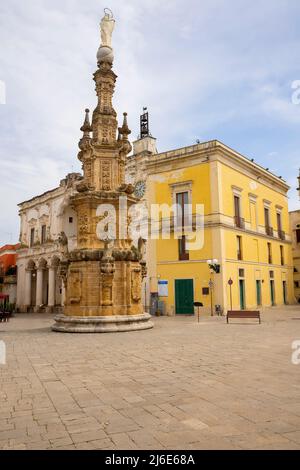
(272, 292)
(184, 296)
(284, 293)
(258, 292)
(242, 294)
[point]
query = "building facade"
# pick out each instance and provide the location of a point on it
(8, 271)
(247, 239)
(295, 227)
(137, 175)
(46, 220)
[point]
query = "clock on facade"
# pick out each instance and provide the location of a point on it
(140, 189)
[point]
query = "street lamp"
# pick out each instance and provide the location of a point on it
(214, 267)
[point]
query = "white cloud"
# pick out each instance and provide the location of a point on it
(211, 69)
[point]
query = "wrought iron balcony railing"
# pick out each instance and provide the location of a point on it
(281, 234)
(239, 221)
(269, 231)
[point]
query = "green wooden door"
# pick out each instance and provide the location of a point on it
(242, 294)
(272, 291)
(284, 292)
(258, 292)
(184, 296)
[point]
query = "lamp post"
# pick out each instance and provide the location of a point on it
(214, 267)
(211, 285)
(145, 296)
(230, 282)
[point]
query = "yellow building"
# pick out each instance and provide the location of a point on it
(295, 226)
(246, 231)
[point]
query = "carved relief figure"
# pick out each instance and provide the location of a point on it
(107, 292)
(142, 248)
(106, 176)
(63, 243)
(136, 285)
(83, 224)
(74, 285)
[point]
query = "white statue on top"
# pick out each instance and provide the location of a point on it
(107, 26)
(105, 51)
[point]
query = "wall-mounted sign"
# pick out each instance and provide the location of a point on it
(163, 288)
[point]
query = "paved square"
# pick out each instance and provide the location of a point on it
(182, 385)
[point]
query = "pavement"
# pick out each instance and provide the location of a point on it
(183, 385)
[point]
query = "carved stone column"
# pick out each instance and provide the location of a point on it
(39, 287)
(52, 286)
(63, 294)
(28, 276)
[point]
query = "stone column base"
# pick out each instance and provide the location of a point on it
(105, 324)
(57, 309)
(23, 309)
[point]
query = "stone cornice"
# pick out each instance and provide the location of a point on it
(215, 150)
(252, 166)
(204, 261)
(47, 196)
(42, 198)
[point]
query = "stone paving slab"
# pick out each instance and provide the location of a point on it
(182, 385)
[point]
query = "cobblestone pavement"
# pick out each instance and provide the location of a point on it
(182, 385)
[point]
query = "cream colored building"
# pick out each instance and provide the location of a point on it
(43, 218)
(136, 174)
(295, 227)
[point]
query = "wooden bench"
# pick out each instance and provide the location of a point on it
(243, 314)
(4, 316)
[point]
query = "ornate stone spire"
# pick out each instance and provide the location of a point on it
(86, 127)
(103, 275)
(103, 155)
(104, 121)
(124, 130)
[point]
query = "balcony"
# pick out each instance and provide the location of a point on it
(239, 222)
(281, 234)
(270, 231)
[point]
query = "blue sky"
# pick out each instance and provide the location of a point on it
(211, 69)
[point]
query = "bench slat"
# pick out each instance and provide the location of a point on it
(243, 314)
